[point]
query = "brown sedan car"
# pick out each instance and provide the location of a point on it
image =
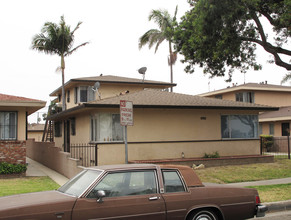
(138, 191)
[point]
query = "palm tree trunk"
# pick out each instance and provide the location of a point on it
(63, 83)
(171, 64)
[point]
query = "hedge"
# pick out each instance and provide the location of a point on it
(7, 168)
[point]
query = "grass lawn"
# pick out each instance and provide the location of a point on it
(273, 193)
(26, 184)
(245, 173)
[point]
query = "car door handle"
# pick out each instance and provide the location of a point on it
(59, 215)
(154, 198)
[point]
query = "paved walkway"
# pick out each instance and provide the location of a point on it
(36, 169)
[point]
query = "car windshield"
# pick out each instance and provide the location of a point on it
(80, 183)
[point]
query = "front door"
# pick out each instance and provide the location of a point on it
(285, 129)
(129, 195)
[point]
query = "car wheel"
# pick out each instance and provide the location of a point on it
(203, 215)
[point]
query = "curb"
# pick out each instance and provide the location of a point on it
(279, 206)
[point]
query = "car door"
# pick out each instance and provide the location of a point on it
(128, 195)
(175, 195)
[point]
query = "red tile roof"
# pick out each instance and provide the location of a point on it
(11, 98)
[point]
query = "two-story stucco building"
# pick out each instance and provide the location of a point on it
(166, 125)
(275, 123)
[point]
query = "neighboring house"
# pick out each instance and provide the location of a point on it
(275, 123)
(14, 111)
(166, 125)
(35, 131)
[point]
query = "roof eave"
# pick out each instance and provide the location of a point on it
(166, 85)
(90, 105)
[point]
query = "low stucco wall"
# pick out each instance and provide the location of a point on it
(115, 153)
(51, 156)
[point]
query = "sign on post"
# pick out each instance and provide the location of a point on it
(126, 118)
(126, 113)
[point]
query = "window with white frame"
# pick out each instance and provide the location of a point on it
(8, 125)
(105, 127)
(239, 126)
(84, 94)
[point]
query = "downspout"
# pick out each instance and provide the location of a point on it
(26, 126)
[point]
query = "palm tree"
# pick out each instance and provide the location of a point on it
(57, 39)
(165, 32)
(286, 78)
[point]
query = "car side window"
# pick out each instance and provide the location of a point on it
(172, 181)
(127, 184)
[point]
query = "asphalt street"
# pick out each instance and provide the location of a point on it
(283, 215)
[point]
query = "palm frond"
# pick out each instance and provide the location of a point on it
(286, 78)
(148, 37)
(76, 28)
(159, 40)
(76, 48)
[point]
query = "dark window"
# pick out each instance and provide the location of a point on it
(59, 98)
(8, 125)
(58, 129)
(245, 97)
(73, 126)
(285, 129)
(172, 182)
(83, 93)
(218, 97)
(68, 96)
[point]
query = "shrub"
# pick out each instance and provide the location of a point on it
(7, 168)
(214, 155)
(267, 141)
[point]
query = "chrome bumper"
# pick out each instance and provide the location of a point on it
(260, 211)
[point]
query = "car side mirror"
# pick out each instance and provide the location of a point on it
(100, 195)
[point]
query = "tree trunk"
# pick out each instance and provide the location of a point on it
(171, 64)
(63, 83)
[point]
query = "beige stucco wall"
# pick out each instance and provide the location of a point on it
(165, 134)
(36, 135)
(277, 127)
(105, 91)
(160, 125)
(21, 120)
(271, 98)
(115, 154)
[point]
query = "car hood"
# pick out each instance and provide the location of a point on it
(35, 203)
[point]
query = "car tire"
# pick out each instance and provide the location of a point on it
(204, 214)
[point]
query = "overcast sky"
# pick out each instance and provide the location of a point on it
(113, 29)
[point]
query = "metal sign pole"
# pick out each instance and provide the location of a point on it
(125, 142)
(126, 118)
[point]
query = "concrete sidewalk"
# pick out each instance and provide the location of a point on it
(262, 182)
(36, 169)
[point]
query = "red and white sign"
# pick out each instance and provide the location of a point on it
(126, 113)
